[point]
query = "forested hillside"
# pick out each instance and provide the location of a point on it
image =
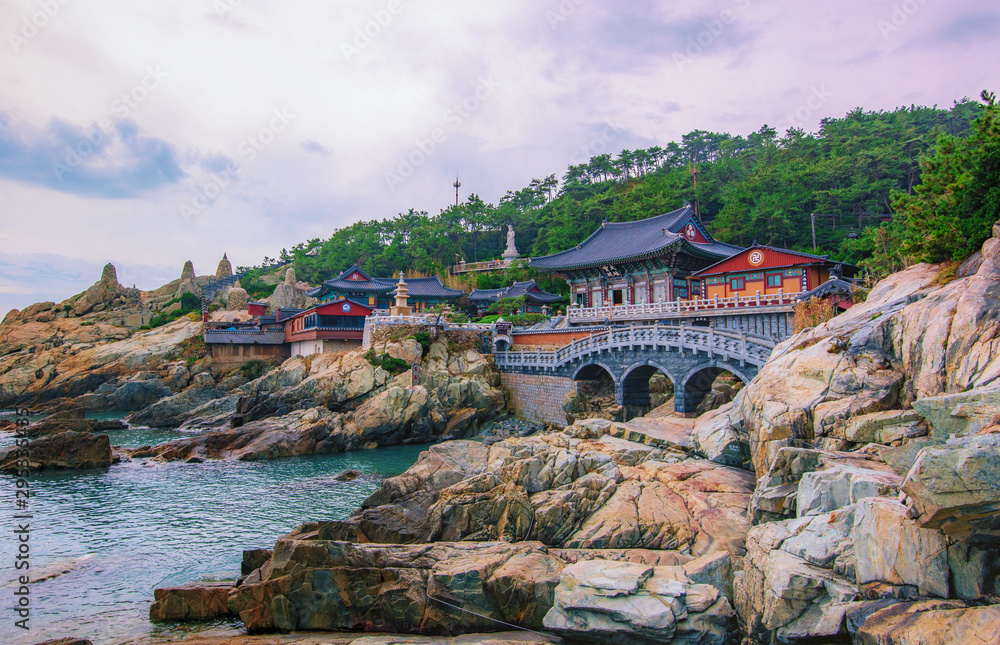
(761, 187)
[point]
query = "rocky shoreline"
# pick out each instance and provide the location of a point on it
(847, 494)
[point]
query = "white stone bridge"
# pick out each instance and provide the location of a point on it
(691, 357)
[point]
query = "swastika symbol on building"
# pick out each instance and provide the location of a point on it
(756, 257)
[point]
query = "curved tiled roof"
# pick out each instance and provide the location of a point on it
(833, 286)
(631, 241)
(418, 287)
(515, 290)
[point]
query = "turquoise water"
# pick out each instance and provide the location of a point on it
(140, 525)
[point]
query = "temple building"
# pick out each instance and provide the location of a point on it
(646, 261)
(379, 293)
(334, 326)
(534, 297)
(766, 271)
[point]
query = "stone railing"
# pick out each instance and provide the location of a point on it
(489, 265)
(244, 336)
(424, 319)
(716, 343)
(699, 307)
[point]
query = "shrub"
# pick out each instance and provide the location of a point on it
(424, 339)
(811, 313)
(388, 363)
(394, 365)
(87, 323)
(190, 302)
(254, 369)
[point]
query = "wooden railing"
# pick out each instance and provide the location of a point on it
(658, 310)
(730, 346)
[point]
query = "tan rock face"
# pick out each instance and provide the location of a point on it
(66, 364)
(930, 622)
(321, 585)
(583, 494)
(338, 402)
(908, 341)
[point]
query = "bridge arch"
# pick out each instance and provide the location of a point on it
(634, 393)
(591, 371)
(697, 383)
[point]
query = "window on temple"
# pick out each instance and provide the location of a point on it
(736, 284)
(616, 297)
(774, 280)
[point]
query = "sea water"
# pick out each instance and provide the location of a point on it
(111, 536)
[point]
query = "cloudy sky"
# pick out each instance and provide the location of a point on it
(146, 133)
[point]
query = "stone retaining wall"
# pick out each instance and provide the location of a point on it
(538, 398)
(236, 355)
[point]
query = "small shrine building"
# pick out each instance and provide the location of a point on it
(378, 293)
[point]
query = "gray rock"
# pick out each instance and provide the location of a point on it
(954, 487)
(890, 548)
(172, 411)
(963, 413)
(840, 485)
(716, 435)
(603, 601)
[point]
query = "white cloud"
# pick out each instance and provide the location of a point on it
(558, 84)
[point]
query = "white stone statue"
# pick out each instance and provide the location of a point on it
(511, 251)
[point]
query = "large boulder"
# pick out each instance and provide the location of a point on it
(790, 573)
(717, 435)
(175, 409)
(890, 548)
(961, 413)
(438, 588)
(954, 487)
(191, 602)
(62, 451)
(804, 481)
(601, 601)
(930, 622)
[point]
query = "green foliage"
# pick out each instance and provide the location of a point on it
(190, 302)
(951, 214)
(388, 363)
(763, 186)
(518, 320)
(506, 307)
(878, 251)
(255, 287)
(254, 369)
(424, 339)
(87, 323)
